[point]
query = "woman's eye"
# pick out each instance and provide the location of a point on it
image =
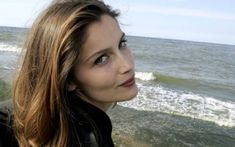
(123, 43)
(101, 60)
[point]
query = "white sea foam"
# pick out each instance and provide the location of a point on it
(9, 48)
(6, 67)
(145, 76)
(183, 103)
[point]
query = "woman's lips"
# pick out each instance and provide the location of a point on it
(129, 82)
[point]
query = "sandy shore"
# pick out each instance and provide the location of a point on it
(133, 128)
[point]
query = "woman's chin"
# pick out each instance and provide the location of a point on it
(131, 94)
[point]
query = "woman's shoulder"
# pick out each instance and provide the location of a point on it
(6, 112)
(7, 137)
(5, 115)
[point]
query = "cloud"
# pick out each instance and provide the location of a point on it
(184, 12)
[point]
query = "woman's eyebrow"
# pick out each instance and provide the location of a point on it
(123, 35)
(104, 50)
(97, 53)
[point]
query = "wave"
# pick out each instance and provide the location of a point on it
(149, 76)
(158, 98)
(6, 68)
(9, 48)
(198, 85)
(145, 76)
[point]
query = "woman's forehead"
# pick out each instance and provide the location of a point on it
(101, 35)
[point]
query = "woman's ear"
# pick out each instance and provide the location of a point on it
(71, 86)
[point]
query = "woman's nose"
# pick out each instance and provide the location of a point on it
(125, 63)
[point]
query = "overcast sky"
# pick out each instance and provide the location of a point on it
(197, 20)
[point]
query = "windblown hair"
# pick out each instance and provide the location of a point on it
(51, 51)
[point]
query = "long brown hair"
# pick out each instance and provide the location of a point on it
(51, 50)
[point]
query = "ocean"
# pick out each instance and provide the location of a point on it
(186, 91)
(191, 79)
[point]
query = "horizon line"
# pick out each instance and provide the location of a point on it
(154, 37)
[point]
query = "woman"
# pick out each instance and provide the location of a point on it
(76, 66)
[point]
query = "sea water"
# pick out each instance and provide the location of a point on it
(10, 46)
(191, 79)
(180, 79)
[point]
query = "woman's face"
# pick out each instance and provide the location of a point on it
(105, 72)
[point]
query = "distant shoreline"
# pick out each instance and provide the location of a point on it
(150, 37)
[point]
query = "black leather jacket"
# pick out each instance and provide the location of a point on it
(90, 126)
(7, 139)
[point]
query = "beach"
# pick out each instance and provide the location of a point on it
(155, 129)
(186, 92)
